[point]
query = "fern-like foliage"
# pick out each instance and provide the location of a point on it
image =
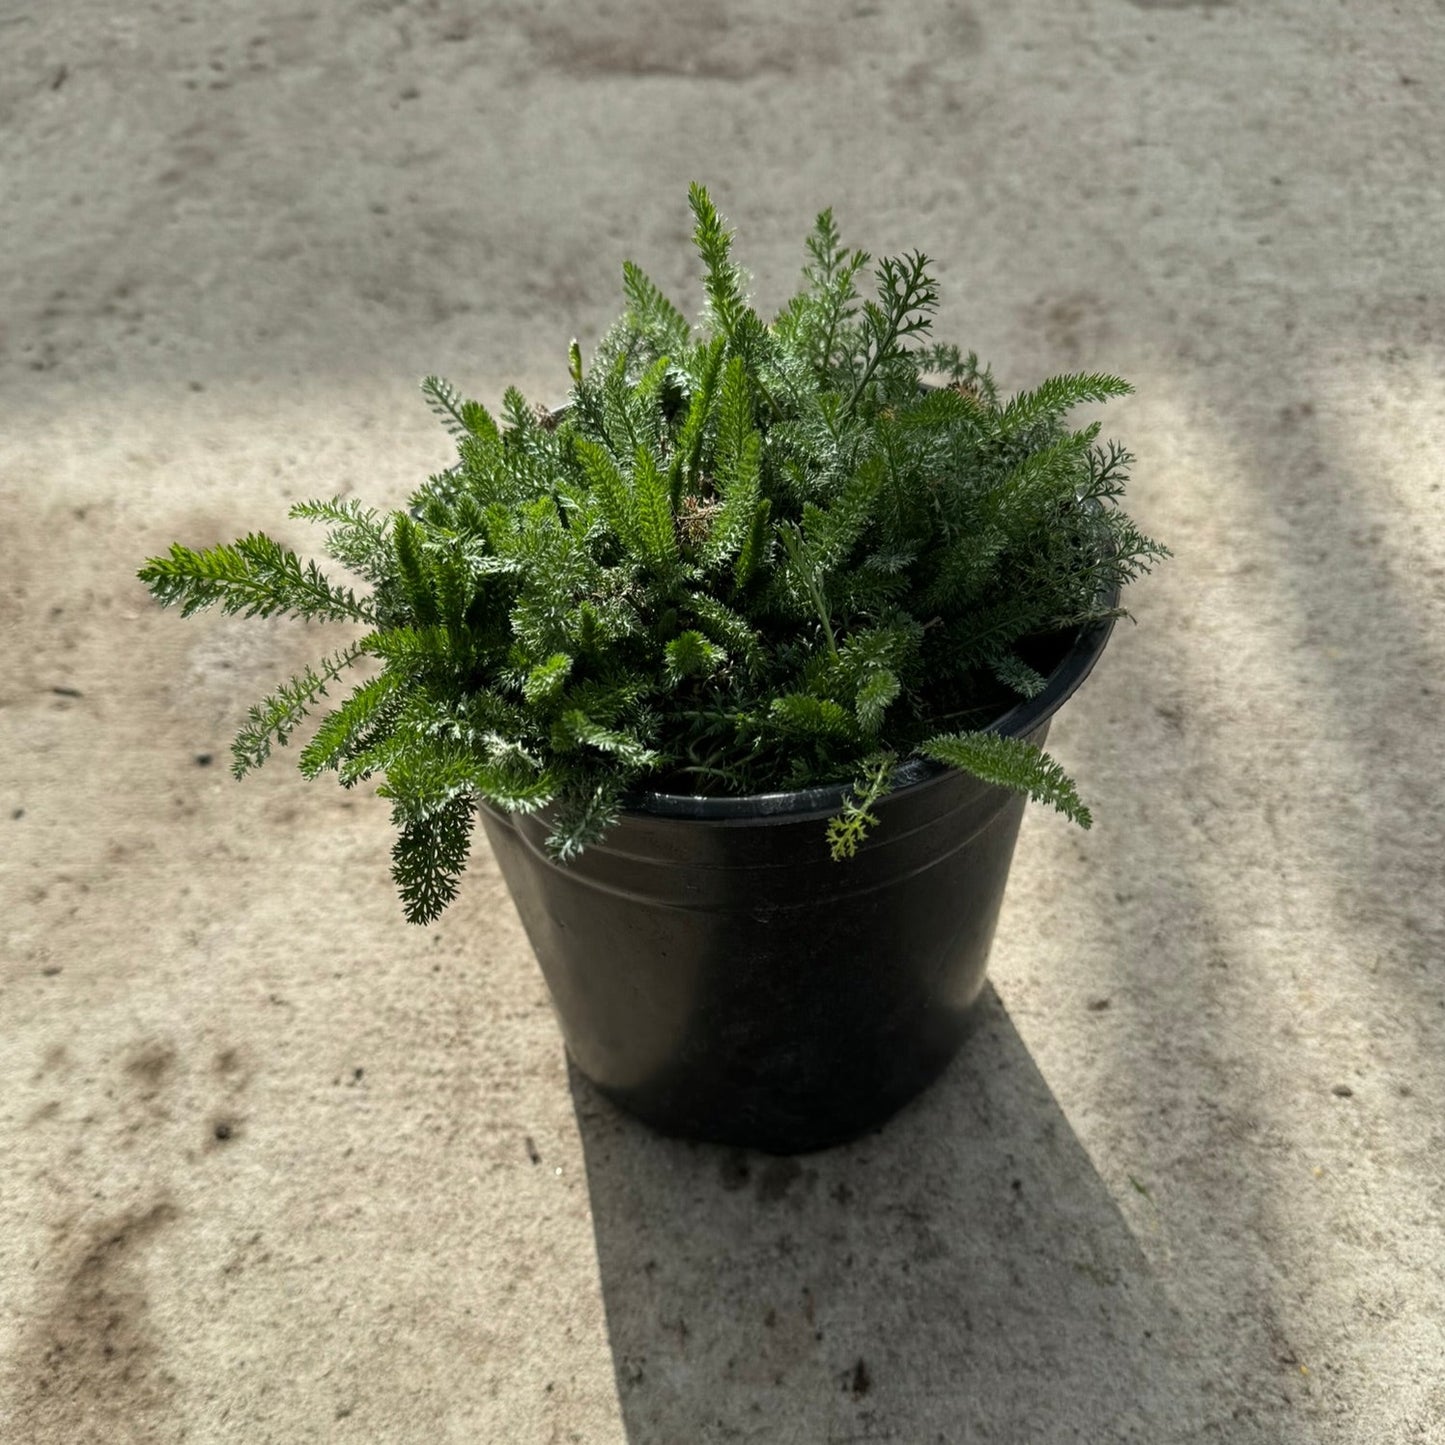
(254, 576)
(429, 857)
(651, 314)
(851, 826)
(723, 279)
(275, 718)
(745, 557)
(1010, 763)
(356, 536)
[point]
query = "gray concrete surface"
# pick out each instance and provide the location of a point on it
(278, 1168)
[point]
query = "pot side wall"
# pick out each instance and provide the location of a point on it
(726, 980)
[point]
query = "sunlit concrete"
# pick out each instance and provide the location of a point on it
(278, 1167)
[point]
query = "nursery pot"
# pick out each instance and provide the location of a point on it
(718, 975)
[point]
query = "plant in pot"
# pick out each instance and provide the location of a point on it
(743, 658)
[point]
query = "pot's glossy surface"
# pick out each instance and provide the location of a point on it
(718, 975)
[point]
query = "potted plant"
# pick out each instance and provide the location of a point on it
(743, 658)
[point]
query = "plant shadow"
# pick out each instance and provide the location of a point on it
(963, 1274)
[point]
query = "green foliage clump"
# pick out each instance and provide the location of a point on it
(746, 557)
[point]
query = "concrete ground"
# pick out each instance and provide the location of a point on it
(280, 1168)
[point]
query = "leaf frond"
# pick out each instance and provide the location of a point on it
(254, 576)
(849, 827)
(1010, 763)
(429, 857)
(272, 720)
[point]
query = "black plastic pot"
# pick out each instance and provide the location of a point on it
(719, 976)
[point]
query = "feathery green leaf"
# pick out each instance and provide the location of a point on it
(275, 718)
(429, 857)
(1010, 763)
(848, 828)
(339, 731)
(653, 314)
(723, 281)
(254, 576)
(1052, 398)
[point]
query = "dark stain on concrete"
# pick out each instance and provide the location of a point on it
(691, 41)
(1076, 325)
(777, 1178)
(958, 32)
(232, 1068)
(88, 1366)
(222, 1131)
(56, 1061)
(941, 81)
(734, 1171)
(860, 1380)
(150, 1065)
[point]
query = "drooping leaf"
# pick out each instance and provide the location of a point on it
(428, 859)
(1010, 763)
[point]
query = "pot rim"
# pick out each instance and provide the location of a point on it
(1021, 720)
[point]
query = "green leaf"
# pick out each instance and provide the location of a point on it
(691, 653)
(832, 292)
(446, 402)
(653, 314)
(657, 528)
(754, 553)
(848, 828)
(834, 533)
(254, 576)
(434, 771)
(356, 536)
(1050, 474)
(518, 414)
(610, 489)
(1057, 395)
(461, 418)
(429, 857)
(479, 424)
(907, 299)
(546, 680)
(275, 718)
(583, 817)
(741, 503)
(878, 690)
(509, 784)
(575, 729)
(723, 282)
(1010, 763)
(818, 717)
(412, 651)
(340, 730)
(412, 570)
(735, 426)
(726, 627)
(1014, 672)
(687, 458)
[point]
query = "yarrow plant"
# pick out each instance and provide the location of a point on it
(745, 557)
